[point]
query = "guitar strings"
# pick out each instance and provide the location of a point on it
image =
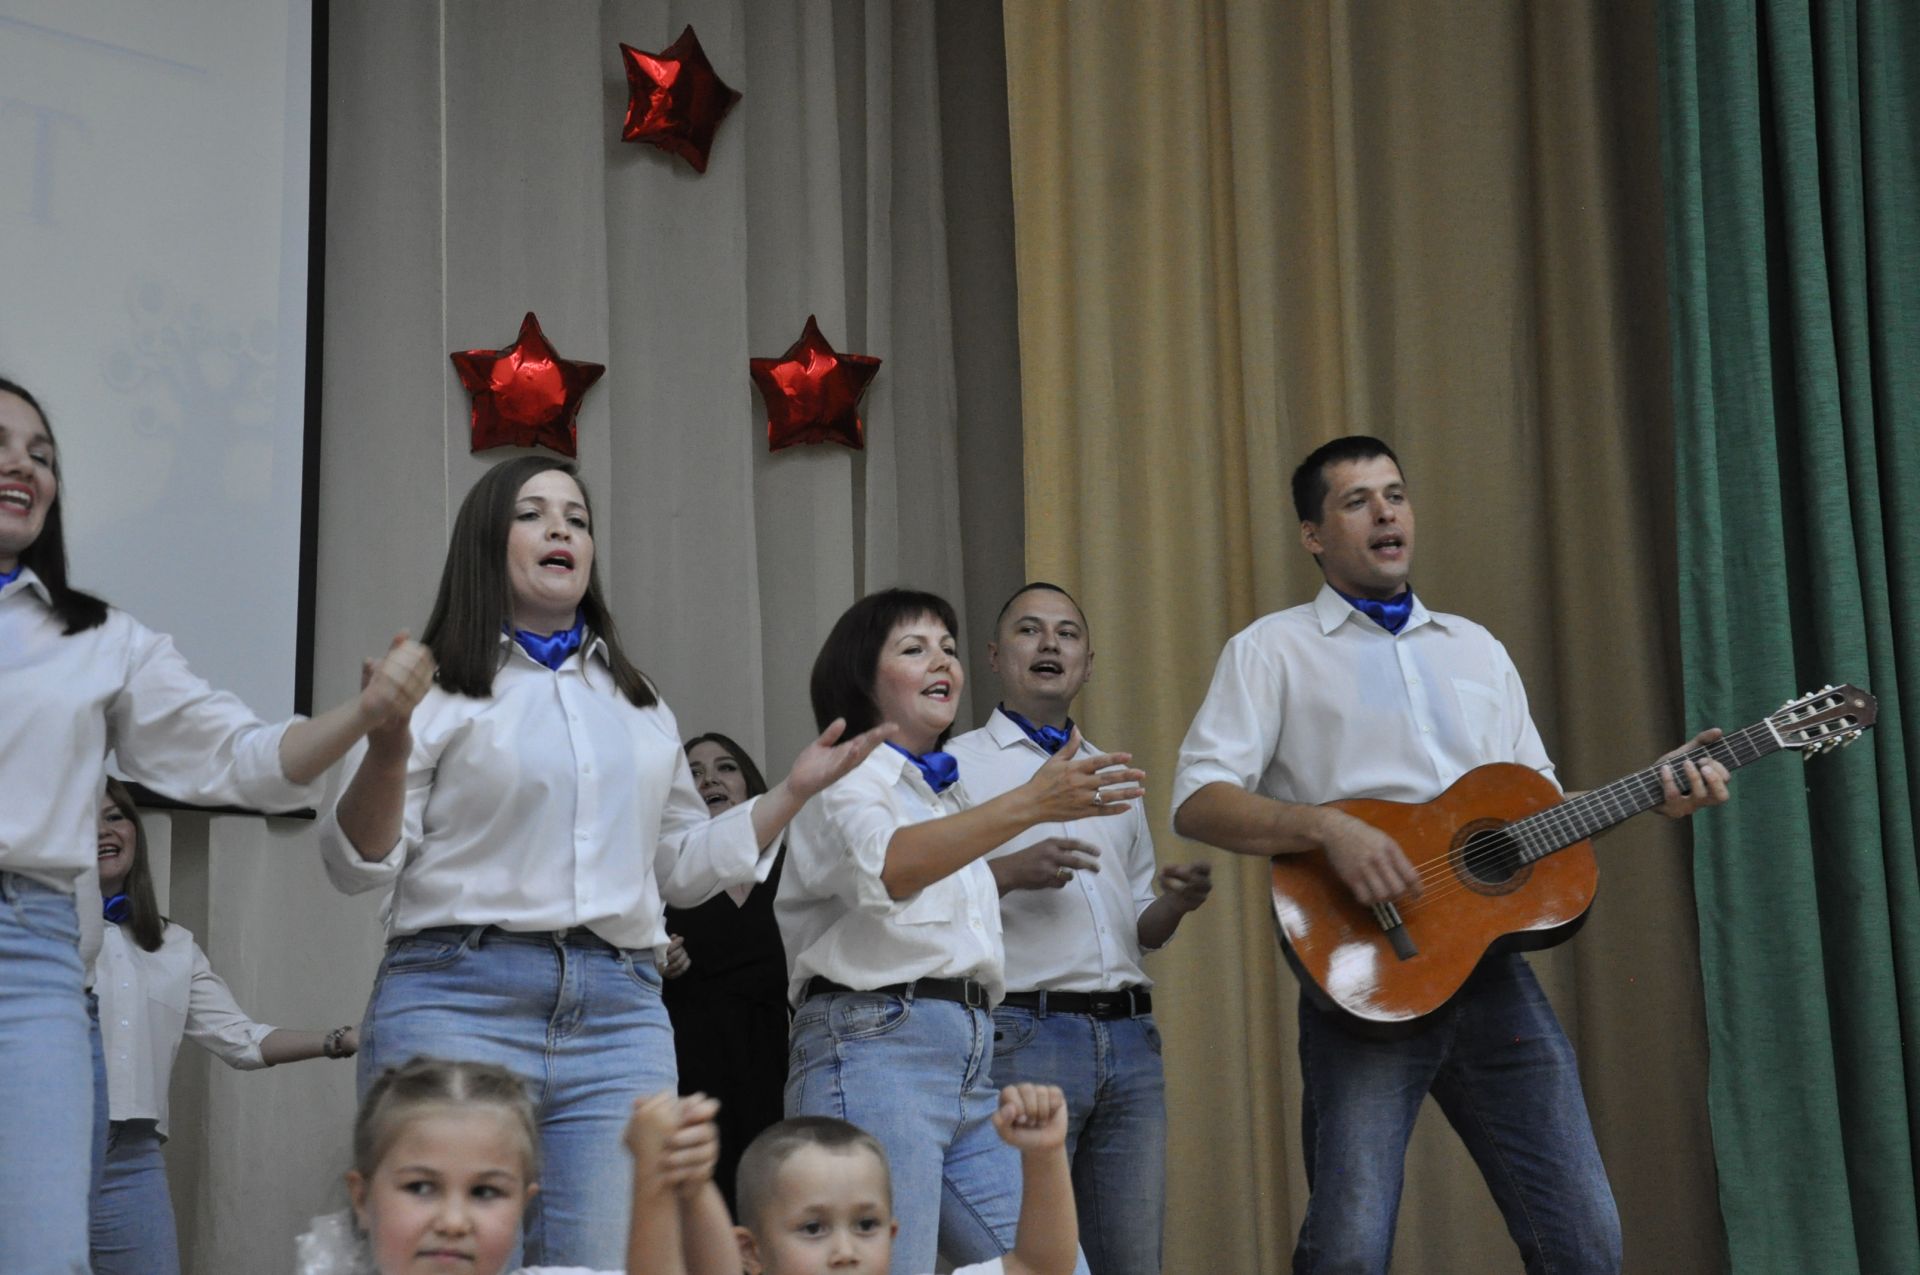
(1561, 825)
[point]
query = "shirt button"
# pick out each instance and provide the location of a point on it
(579, 836)
(1413, 681)
(587, 769)
(1426, 730)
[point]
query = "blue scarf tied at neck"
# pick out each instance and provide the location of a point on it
(552, 649)
(940, 770)
(1390, 615)
(1050, 738)
(8, 577)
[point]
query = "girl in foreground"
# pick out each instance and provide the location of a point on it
(891, 919)
(445, 1162)
(529, 820)
(156, 988)
(80, 679)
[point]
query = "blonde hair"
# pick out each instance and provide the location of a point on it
(402, 1093)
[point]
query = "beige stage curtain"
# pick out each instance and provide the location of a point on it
(1242, 229)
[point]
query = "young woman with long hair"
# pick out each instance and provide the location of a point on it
(529, 822)
(80, 679)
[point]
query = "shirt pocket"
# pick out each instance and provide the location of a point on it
(1481, 708)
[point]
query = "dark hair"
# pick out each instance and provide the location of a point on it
(759, 1174)
(1032, 586)
(1310, 479)
(144, 920)
(756, 782)
(401, 1092)
(842, 684)
(47, 555)
(475, 601)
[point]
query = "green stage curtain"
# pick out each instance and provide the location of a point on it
(1791, 144)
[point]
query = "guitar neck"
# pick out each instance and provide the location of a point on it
(1578, 818)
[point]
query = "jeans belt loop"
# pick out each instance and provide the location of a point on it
(976, 994)
(1040, 1007)
(473, 937)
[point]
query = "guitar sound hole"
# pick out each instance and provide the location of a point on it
(1487, 859)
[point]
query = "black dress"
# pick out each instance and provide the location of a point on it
(730, 1015)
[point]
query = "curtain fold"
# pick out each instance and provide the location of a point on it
(1243, 229)
(1792, 151)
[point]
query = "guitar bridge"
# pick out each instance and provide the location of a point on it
(1396, 930)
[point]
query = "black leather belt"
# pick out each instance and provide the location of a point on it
(480, 935)
(963, 990)
(1128, 1002)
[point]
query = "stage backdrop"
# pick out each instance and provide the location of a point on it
(1246, 228)
(476, 173)
(153, 247)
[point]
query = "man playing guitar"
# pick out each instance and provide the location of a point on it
(1364, 692)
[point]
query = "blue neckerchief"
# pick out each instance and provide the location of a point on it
(1390, 615)
(117, 909)
(1050, 738)
(8, 577)
(552, 649)
(940, 770)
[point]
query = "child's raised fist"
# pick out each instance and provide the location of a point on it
(1032, 1117)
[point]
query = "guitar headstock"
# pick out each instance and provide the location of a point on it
(1831, 717)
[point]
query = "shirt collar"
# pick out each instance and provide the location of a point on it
(1332, 611)
(894, 767)
(1006, 732)
(29, 579)
(595, 647)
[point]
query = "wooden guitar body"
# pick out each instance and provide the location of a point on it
(1504, 863)
(1477, 896)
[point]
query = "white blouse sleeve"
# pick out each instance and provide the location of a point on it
(846, 830)
(349, 871)
(700, 854)
(173, 732)
(216, 1023)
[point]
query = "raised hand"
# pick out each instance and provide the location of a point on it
(693, 1149)
(1706, 781)
(1367, 860)
(391, 687)
(1044, 865)
(1032, 1117)
(1186, 885)
(827, 758)
(1071, 787)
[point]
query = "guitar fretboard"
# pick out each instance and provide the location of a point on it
(1579, 818)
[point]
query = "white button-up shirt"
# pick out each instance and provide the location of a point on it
(1084, 936)
(836, 918)
(148, 1001)
(121, 688)
(1318, 703)
(553, 803)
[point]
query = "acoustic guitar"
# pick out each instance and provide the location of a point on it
(1505, 863)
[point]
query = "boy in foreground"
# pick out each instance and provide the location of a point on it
(815, 1194)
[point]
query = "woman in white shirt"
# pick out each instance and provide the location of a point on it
(80, 679)
(891, 922)
(530, 822)
(155, 988)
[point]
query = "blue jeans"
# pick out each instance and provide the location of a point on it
(133, 1224)
(580, 1022)
(915, 1073)
(1503, 1073)
(46, 1082)
(1116, 1123)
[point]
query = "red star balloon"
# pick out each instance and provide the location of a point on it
(812, 393)
(674, 99)
(525, 395)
